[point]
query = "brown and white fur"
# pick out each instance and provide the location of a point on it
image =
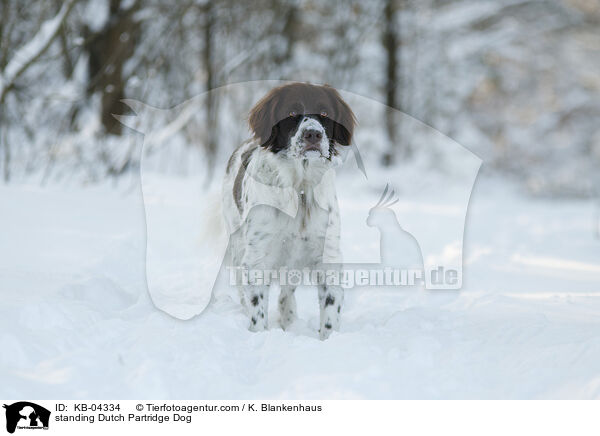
(279, 198)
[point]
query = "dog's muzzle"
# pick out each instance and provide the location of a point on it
(312, 140)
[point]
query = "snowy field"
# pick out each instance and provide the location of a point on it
(76, 320)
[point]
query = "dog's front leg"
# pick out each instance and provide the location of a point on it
(331, 299)
(257, 303)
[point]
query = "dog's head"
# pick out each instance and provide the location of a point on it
(303, 121)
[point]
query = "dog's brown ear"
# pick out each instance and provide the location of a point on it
(344, 118)
(341, 134)
(262, 116)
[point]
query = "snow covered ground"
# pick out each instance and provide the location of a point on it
(76, 320)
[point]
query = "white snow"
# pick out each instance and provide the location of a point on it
(76, 320)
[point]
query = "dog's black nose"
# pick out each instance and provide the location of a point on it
(312, 136)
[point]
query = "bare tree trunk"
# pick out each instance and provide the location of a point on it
(212, 116)
(67, 62)
(6, 160)
(5, 148)
(289, 32)
(108, 50)
(390, 41)
(4, 32)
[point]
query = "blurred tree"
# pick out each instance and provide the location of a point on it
(212, 103)
(391, 43)
(108, 50)
(18, 53)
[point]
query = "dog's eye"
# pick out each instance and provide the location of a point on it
(323, 113)
(293, 113)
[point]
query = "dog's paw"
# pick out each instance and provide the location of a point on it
(325, 332)
(287, 320)
(330, 325)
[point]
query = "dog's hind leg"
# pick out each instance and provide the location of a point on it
(257, 304)
(331, 299)
(287, 306)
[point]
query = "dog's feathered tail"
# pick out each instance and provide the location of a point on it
(213, 240)
(212, 221)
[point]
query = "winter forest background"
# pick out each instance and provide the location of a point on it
(516, 82)
(86, 201)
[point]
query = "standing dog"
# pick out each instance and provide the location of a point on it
(279, 197)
